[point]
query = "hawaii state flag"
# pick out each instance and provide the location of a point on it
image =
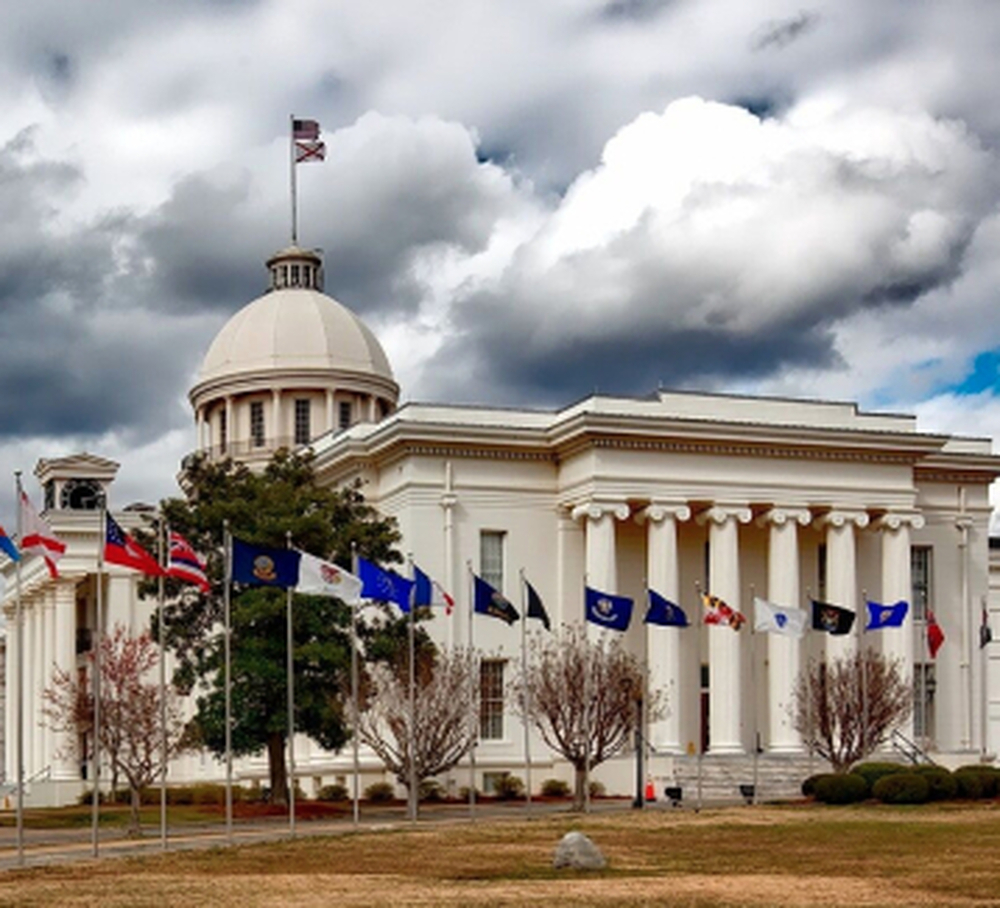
(37, 537)
(185, 564)
(121, 548)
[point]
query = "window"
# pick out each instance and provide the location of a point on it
(223, 432)
(491, 558)
(257, 423)
(920, 580)
(345, 414)
(821, 572)
(491, 699)
(302, 428)
(294, 281)
(924, 688)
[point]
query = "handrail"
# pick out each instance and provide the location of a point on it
(909, 749)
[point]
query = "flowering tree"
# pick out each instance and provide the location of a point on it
(583, 698)
(131, 735)
(847, 708)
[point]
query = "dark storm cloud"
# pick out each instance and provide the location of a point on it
(779, 34)
(633, 10)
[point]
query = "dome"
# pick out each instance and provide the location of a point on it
(293, 329)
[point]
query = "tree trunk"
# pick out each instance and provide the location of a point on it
(580, 788)
(276, 765)
(134, 823)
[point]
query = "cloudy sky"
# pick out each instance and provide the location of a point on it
(526, 200)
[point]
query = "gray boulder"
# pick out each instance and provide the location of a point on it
(577, 851)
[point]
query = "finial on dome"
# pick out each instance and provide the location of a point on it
(296, 268)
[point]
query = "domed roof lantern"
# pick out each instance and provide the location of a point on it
(295, 267)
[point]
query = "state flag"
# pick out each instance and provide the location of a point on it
(880, 616)
(185, 564)
(769, 618)
(608, 610)
(664, 612)
(120, 548)
(7, 546)
(324, 578)
(488, 601)
(428, 592)
(383, 585)
(719, 612)
(258, 565)
(831, 618)
(309, 151)
(935, 636)
(536, 608)
(37, 538)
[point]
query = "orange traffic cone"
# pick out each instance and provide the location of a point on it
(650, 790)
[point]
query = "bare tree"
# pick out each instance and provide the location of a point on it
(847, 708)
(583, 697)
(445, 715)
(131, 730)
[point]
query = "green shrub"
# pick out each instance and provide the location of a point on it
(969, 784)
(809, 785)
(840, 788)
(463, 793)
(984, 780)
(431, 791)
(902, 788)
(555, 788)
(942, 785)
(380, 792)
(597, 789)
(873, 771)
(207, 793)
(510, 788)
(335, 793)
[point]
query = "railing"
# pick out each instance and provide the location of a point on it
(909, 749)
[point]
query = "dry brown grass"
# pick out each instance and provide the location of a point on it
(789, 856)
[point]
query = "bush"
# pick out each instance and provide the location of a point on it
(510, 788)
(206, 793)
(463, 793)
(335, 793)
(380, 792)
(983, 780)
(430, 791)
(809, 785)
(840, 788)
(902, 788)
(597, 789)
(941, 784)
(555, 788)
(873, 771)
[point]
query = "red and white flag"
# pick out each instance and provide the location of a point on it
(324, 578)
(38, 538)
(121, 548)
(185, 564)
(309, 151)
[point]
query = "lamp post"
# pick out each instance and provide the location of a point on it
(640, 774)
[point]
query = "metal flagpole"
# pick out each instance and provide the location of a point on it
(411, 737)
(19, 701)
(291, 166)
(586, 704)
(472, 710)
(291, 701)
(355, 756)
(162, 537)
(227, 654)
(527, 692)
(863, 661)
(96, 646)
(809, 695)
(701, 699)
(753, 695)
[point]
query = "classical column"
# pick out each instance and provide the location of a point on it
(31, 692)
(663, 643)
(329, 410)
(841, 573)
(64, 764)
(276, 436)
(200, 429)
(448, 502)
(48, 605)
(724, 651)
(572, 565)
(10, 692)
(783, 653)
(230, 427)
(602, 556)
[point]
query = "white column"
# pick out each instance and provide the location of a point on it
(842, 575)
(276, 427)
(48, 605)
(898, 642)
(448, 502)
(10, 706)
(329, 410)
(31, 692)
(724, 644)
(230, 425)
(572, 565)
(601, 552)
(663, 650)
(784, 654)
(200, 429)
(64, 764)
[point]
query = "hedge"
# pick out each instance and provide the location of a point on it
(902, 788)
(840, 788)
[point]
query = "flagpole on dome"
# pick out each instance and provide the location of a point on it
(290, 646)
(19, 700)
(96, 648)
(162, 536)
(227, 538)
(412, 737)
(291, 167)
(355, 754)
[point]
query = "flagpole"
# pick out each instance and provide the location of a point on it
(355, 755)
(291, 167)
(586, 703)
(227, 654)
(19, 701)
(412, 805)
(701, 709)
(291, 699)
(808, 691)
(864, 677)
(753, 695)
(162, 537)
(527, 694)
(98, 635)
(472, 711)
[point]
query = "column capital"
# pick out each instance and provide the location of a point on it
(595, 510)
(659, 511)
(841, 517)
(898, 519)
(780, 515)
(720, 514)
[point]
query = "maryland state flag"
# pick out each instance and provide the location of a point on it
(718, 612)
(488, 601)
(831, 618)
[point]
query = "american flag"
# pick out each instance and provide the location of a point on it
(306, 130)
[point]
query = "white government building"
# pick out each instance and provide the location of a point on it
(739, 496)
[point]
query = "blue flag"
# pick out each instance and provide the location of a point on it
(662, 611)
(7, 545)
(880, 616)
(488, 601)
(384, 586)
(258, 565)
(607, 610)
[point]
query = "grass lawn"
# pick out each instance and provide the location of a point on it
(773, 855)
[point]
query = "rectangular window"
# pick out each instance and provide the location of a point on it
(257, 423)
(345, 414)
(491, 558)
(223, 432)
(920, 580)
(491, 699)
(303, 433)
(924, 688)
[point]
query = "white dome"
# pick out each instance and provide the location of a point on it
(293, 329)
